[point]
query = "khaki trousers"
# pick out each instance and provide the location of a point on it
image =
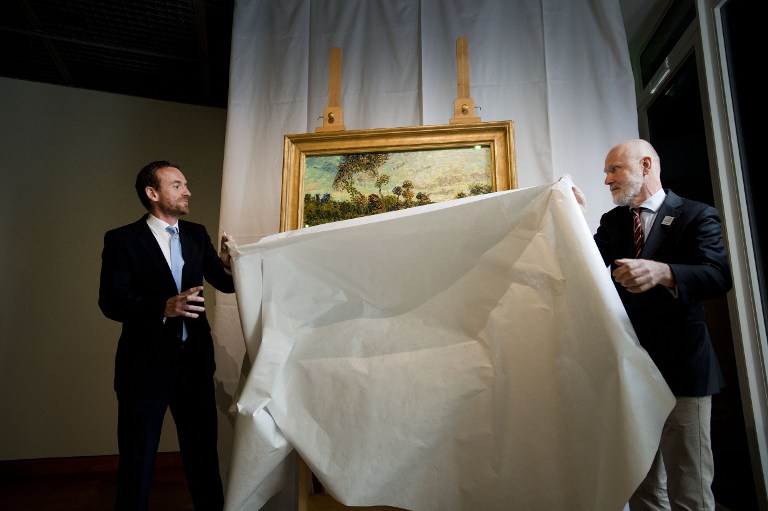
(681, 474)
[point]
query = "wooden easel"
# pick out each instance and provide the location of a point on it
(309, 501)
(464, 106)
(333, 120)
(333, 117)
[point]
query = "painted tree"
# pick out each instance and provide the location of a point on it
(397, 191)
(408, 193)
(381, 181)
(353, 168)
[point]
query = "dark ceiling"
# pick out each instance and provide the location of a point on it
(172, 50)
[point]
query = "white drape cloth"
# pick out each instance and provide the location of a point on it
(462, 356)
(559, 69)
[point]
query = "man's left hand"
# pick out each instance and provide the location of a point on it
(639, 275)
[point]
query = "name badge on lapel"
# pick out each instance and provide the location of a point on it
(667, 220)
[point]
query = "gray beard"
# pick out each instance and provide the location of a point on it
(625, 196)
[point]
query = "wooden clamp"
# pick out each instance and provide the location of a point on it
(333, 118)
(464, 106)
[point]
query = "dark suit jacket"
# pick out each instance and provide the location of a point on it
(135, 284)
(687, 236)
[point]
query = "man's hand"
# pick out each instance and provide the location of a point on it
(638, 275)
(183, 304)
(224, 251)
(581, 199)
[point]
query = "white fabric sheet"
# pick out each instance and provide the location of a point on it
(467, 355)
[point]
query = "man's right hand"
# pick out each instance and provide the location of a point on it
(183, 303)
(581, 199)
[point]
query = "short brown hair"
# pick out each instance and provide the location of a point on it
(147, 176)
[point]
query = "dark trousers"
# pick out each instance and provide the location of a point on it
(190, 395)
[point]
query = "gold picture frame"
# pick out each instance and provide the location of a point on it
(411, 147)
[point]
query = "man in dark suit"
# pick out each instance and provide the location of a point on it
(681, 263)
(165, 353)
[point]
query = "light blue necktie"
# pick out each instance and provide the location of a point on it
(177, 263)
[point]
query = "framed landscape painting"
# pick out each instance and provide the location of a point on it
(332, 176)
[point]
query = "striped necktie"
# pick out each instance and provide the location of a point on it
(638, 232)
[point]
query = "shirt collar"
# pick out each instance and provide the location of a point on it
(653, 203)
(158, 225)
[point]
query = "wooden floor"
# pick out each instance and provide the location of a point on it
(89, 484)
(84, 484)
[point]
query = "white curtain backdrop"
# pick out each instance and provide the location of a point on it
(558, 68)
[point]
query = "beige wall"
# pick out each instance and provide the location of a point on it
(68, 159)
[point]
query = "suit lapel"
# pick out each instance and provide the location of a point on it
(663, 225)
(188, 249)
(146, 239)
(627, 233)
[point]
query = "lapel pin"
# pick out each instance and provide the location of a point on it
(667, 220)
